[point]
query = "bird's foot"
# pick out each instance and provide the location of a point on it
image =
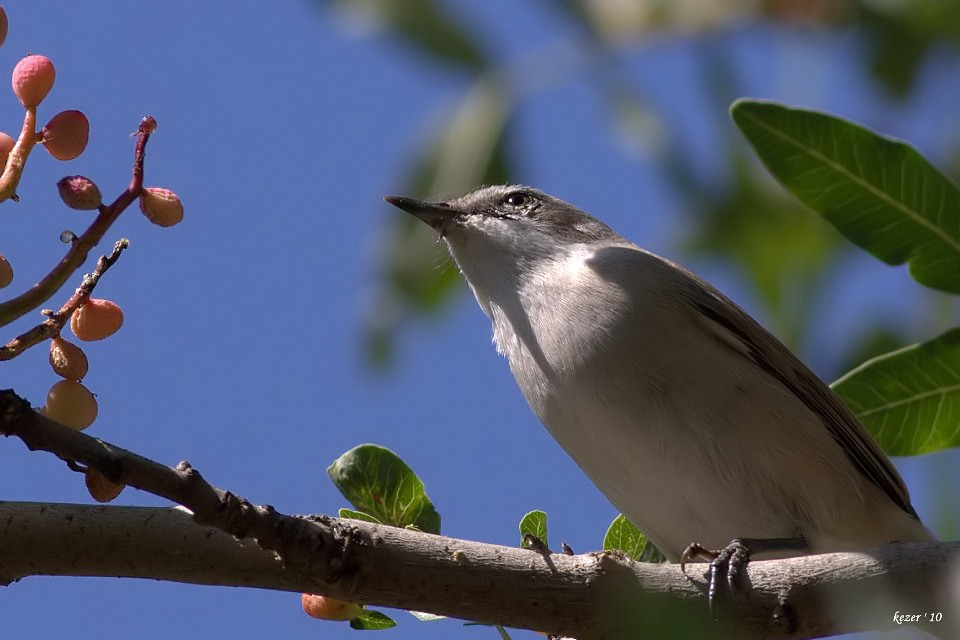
(728, 565)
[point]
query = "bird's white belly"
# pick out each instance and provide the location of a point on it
(656, 469)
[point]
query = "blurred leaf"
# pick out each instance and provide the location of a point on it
(468, 151)
(371, 620)
(899, 36)
(879, 192)
(424, 25)
(783, 250)
(623, 536)
(377, 482)
(424, 277)
(357, 515)
(419, 276)
(535, 524)
(896, 51)
(637, 125)
(909, 399)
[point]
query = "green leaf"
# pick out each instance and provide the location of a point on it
(377, 482)
(357, 515)
(879, 192)
(535, 524)
(909, 399)
(623, 536)
(371, 620)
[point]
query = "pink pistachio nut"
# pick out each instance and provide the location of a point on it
(96, 319)
(100, 487)
(71, 404)
(6, 146)
(161, 206)
(32, 79)
(68, 360)
(324, 608)
(6, 272)
(65, 136)
(79, 192)
(3, 26)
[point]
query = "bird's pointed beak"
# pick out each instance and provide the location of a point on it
(435, 214)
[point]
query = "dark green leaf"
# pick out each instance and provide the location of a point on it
(371, 620)
(534, 523)
(377, 482)
(879, 192)
(623, 536)
(909, 399)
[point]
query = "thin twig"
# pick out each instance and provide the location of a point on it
(56, 320)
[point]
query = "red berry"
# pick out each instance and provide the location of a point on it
(32, 79)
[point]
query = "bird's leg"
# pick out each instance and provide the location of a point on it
(731, 561)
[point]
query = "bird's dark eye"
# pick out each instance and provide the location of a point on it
(517, 200)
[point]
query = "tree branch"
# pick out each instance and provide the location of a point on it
(596, 595)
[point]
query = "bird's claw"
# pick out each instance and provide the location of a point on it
(726, 565)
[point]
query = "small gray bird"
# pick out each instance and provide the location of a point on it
(695, 422)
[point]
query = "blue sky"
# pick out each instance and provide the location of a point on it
(281, 129)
